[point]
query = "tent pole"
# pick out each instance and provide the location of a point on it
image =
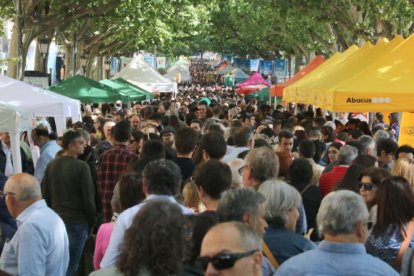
(15, 147)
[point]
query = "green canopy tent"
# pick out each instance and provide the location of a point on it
(87, 90)
(148, 94)
(134, 94)
(261, 95)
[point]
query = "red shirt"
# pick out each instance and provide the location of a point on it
(111, 166)
(328, 180)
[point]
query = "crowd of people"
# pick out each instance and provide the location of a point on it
(208, 183)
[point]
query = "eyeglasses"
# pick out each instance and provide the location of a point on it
(241, 170)
(223, 261)
(367, 186)
(4, 194)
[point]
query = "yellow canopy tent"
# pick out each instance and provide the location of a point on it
(293, 93)
(387, 84)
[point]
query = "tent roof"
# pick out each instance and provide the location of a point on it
(375, 78)
(87, 90)
(141, 88)
(224, 70)
(134, 93)
(277, 90)
(15, 119)
(238, 74)
(138, 71)
(255, 78)
(40, 102)
(179, 69)
(293, 94)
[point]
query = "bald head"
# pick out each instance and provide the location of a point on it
(24, 187)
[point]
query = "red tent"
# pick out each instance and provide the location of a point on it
(277, 90)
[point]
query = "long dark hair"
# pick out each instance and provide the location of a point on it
(154, 242)
(395, 200)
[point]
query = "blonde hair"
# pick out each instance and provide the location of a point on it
(405, 168)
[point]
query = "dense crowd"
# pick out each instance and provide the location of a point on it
(208, 182)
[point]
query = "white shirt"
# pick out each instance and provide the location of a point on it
(124, 222)
(8, 171)
(40, 246)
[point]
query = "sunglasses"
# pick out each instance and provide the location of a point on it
(366, 186)
(224, 260)
(241, 170)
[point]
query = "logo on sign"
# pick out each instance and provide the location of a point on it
(374, 100)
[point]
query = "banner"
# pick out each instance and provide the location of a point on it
(161, 62)
(254, 65)
(266, 67)
(281, 67)
(406, 129)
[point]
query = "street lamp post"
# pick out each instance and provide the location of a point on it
(44, 45)
(107, 68)
(84, 59)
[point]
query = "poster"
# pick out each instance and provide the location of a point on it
(254, 65)
(161, 62)
(150, 60)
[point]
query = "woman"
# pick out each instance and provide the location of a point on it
(405, 168)
(127, 193)
(369, 180)
(153, 244)
(135, 141)
(394, 125)
(395, 200)
(333, 152)
(282, 203)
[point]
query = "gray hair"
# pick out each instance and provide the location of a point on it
(235, 203)
(25, 186)
(248, 237)
(347, 154)
(280, 199)
(340, 212)
(381, 135)
(366, 142)
(263, 163)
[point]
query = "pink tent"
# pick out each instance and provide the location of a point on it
(254, 79)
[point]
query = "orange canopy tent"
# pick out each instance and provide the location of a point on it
(277, 90)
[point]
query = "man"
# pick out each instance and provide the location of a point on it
(48, 150)
(246, 206)
(342, 218)
(112, 164)
(328, 180)
(261, 164)
(68, 188)
(284, 151)
(6, 158)
(40, 245)
(197, 125)
(185, 144)
(368, 145)
(227, 241)
(212, 178)
(386, 152)
(135, 121)
(307, 151)
(243, 139)
(161, 181)
(167, 135)
(213, 146)
(202, 111)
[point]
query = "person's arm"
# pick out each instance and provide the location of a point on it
(32, 251)
(116, 240)
(88, 193)
(45, 186)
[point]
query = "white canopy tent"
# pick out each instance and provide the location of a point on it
(14, 120)
(139, 72)
(21, 102)
(182, 70)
